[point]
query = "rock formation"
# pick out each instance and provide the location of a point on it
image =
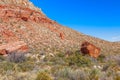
(3, 51)
(88, 48)
(11, 12)
(14, 46)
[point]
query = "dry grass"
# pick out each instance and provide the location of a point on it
(56, 68)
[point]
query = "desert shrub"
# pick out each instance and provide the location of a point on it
(2, 58)
(55, 68)
(78, 75)
(117, 77)
(6, 66)
(106, 67)
(43, 76)
(62, 74)
(70, 74)
(67, 73)
(101, 58)
(61, 55)
(21, 67)
(57, 59)
(117, 59)
(94, 74)
(110, 65)
(111, 75)
(25, 66)
(16, 57)
(78, 60)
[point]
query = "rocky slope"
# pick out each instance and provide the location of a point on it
(21, 21)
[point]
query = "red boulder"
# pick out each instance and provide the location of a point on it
(88, 48)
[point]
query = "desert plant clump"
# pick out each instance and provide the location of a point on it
(43, 76)
(79, 60)
(2, 58)
(94, 74)
(16, 57)
(117, 77)
(101, 58)
(6, 66)
(70, 74)
(25, 66)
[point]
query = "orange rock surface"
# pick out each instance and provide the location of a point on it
(3, 52)
(11, 14)
(14, 46)
(88, 48)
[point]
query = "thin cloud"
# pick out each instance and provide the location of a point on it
(116, 38)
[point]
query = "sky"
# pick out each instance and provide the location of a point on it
(98, 18)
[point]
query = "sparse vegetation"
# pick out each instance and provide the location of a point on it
(79, 60)
(16, 57)
(60, 67)
(43, 76)
(2, 58)
(101, 58)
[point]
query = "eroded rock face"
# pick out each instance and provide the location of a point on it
(25, 14)
(19, 13)
(11, 32)
(20, 46)
(3, 51)
(88, 48)
(10, 42)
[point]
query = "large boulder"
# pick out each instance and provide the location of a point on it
(88, 48)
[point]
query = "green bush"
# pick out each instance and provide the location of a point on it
(5, 66)
(43, 76)
(94, 74)
(61, 55)
(25, 66)
(57, 59)
(78, 60)
(2, 58)
(101, 58)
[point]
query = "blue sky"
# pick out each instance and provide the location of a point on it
(98, 18)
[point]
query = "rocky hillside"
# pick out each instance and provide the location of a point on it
(20, 21)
